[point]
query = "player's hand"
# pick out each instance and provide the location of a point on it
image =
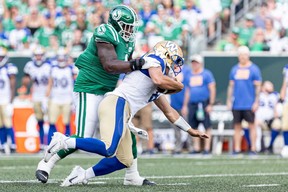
(184, 111)
(196, 133)
(136, 64)
(255, 106)
(229, 105)
(44, 105)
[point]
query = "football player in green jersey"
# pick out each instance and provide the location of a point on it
(108, 54)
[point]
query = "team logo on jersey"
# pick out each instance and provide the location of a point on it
(116, 15)
(101, 29)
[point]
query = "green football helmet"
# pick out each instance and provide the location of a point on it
(125, 21)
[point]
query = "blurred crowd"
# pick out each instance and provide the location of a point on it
(265, 30)
(25, 24)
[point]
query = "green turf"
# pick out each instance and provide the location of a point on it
(221, 173)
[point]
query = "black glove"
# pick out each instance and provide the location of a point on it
(280, 100)
(136, 64)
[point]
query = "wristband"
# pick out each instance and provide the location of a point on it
(182, 124)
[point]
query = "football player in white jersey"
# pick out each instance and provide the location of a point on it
(284, 100)
(37, 71)
(266, 114)
(60, 92)
(8, 73)
(116, 110)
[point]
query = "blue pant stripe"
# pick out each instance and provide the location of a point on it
(118, 129)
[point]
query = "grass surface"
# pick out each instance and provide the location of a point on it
(179, 173)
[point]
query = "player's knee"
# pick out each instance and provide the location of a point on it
(276, 124)
(127, 161)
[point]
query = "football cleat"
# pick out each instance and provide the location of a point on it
(147, 182)
(42, 176)
(43, 170)
(140, 181)
(77, 176)
(57, 143)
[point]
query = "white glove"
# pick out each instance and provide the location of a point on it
(9, 110)
(44, 105)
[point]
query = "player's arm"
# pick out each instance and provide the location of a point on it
(229, 94)
(174, 117)
(110, 63)
(283, 90)
(49, 87)
(163, 81)
(257, 85)
(12, 86)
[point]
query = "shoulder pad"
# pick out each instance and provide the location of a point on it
(106, 33)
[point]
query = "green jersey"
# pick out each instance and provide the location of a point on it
(92, 78)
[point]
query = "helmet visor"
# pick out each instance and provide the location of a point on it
(128, 31)
(177, 63)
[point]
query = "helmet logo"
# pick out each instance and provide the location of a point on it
(171, 46)
(116, 14)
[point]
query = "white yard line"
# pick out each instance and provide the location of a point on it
(161, 177)
(262, 185)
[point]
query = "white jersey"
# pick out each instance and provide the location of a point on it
(5, 89)
(285, 73)
(267, 103)
(137, 88)
(40, 76)
(63, 83)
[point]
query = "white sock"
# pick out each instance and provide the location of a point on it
(89, 173)
(132, 171)
(71, 143)
(54, 159)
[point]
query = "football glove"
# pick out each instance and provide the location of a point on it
(136, 64)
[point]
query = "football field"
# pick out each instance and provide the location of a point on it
(171, 173)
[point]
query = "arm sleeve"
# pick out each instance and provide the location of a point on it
(12, 69)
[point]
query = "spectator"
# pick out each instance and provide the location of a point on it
(257, 42)
(43, 34)
(259, 20)
(146, 12)
(210, 11)
(10, 15)
(270, 33)
(246, 32)
(196, 39)
(33, 20)
(78, 43)
(3, 37)
(168, 6)
(200, 92)
(81, 21)
(19, 34)
(177, 100)
(232, 42)
(244, 82)
(281, 44)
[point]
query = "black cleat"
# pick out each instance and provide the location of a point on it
(42, 176)
(147, 182)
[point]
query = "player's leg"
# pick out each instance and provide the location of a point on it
(276, 126)
(285, 124)
(40, 121)
(53, 115)
(249, 116)
(146, 124)
(9, 130)
(86, 122)
(3, 135)
(123, 158)
(66, 113)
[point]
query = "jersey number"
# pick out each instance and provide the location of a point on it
(63, 82)
(2, 83)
